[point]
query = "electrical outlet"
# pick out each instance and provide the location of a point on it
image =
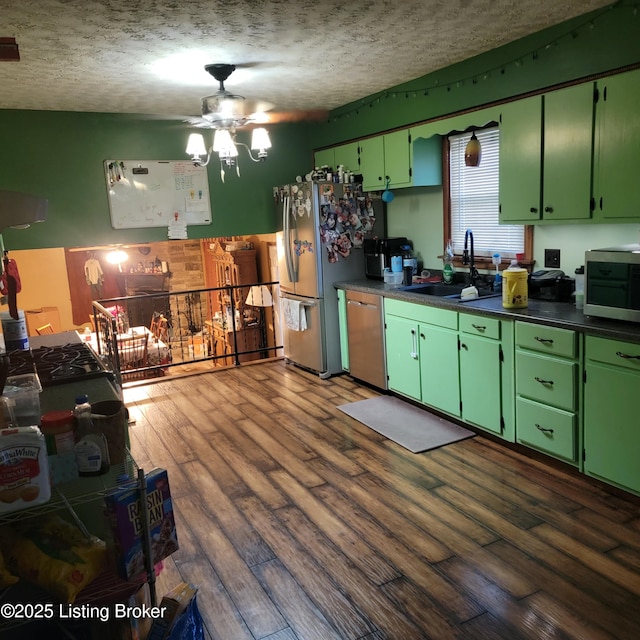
(552, 258)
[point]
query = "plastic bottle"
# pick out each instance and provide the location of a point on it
(87, 334)
(448, 271)
(408, 259)
(579, 287)
(497, 281)
(91, 449)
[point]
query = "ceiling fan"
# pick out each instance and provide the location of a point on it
(226, 110)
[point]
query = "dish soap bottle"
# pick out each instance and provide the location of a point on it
(448, 271)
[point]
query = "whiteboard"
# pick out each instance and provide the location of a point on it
(156, 193)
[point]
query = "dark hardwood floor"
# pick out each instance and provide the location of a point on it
(298, 522)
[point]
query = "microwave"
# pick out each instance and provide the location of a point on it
(612, 282)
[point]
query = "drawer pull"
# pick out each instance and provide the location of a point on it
(626, 356)
(541, 381)
(479, 327)
(544, 340)
(543, 429)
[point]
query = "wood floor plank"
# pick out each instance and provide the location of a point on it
(246, 542)
(488, 479)
(259, 613)
(369, 598)
(300, 612)
(280, 449)
(254, 477)
(617, 573)
(318, 442)
(428, 516)
(532, 544)
(339, 610)
(425, 507)
(373, 566)
(299, 522)
(523, 621)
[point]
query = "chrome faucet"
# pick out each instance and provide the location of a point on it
(470, 259)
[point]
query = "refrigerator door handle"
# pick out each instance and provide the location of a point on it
(291, 271)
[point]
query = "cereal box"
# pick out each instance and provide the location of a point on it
(126, 524)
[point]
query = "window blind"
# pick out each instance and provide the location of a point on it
(475, 198)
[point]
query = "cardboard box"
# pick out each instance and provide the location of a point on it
(39, 317)
(175, 602)
(126, 525)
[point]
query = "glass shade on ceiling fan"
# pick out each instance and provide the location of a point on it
(223, 144)
(260, 141)
(195, 145)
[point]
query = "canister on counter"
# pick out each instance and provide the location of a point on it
(58, 430)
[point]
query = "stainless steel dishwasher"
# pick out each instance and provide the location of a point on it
(365, 330)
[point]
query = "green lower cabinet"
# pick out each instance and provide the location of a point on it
(422, 354)
(344, 334)
(439, 369)
(547, 429)
(480, 382)
(611, 427)
(403, 364)
(548, 390)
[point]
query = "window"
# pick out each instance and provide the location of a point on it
(474, 200)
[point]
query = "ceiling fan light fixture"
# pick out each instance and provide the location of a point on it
(196, 147)
(225, 112)
(260, 142)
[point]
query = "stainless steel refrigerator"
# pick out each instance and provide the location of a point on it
(323, 228)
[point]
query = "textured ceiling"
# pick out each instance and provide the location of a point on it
(147, 56)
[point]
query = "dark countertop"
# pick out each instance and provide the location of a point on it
(555, 314)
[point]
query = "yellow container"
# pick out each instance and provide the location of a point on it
(515, 289)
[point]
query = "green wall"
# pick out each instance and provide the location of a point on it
(595, 43)
(60, 155)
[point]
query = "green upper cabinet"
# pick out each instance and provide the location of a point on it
(546, 151)
(324, 157)
(617, 188)
(348, 156)
(372, 163)
(386, 157)
(568, 153)
(397, 158)
(521, 161)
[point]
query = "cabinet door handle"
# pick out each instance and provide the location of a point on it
(544, 340)
(464, 346)
(548, 209)
(533, 210)
(541, 381)
(543, 429)
(479, 327)
(414, 345)
(626, 356)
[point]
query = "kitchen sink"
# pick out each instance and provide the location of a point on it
(451, 291)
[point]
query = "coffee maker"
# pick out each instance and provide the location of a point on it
(377, 255)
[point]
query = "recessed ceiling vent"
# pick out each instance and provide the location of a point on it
(9, 50)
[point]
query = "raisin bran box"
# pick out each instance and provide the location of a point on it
(126, 524)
